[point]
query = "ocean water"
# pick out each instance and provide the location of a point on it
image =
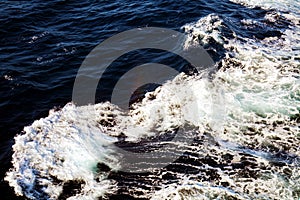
(243, 118)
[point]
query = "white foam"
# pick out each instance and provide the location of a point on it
(261, 87)
(8, 77)
(281, 5)
(66, 145)
(257, 86)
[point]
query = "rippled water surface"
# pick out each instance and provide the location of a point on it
(247, 148)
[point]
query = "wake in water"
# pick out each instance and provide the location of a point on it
(245, 128)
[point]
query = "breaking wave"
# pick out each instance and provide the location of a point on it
(246, 126)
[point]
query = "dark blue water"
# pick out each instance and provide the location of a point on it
(42, 45)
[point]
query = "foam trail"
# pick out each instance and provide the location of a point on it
(260, 82)
(247, 117)
(65, 146)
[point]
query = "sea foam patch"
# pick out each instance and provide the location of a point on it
(245, 129)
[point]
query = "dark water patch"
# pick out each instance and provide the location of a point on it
(71, 188)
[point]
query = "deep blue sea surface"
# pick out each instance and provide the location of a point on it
(43, 44)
